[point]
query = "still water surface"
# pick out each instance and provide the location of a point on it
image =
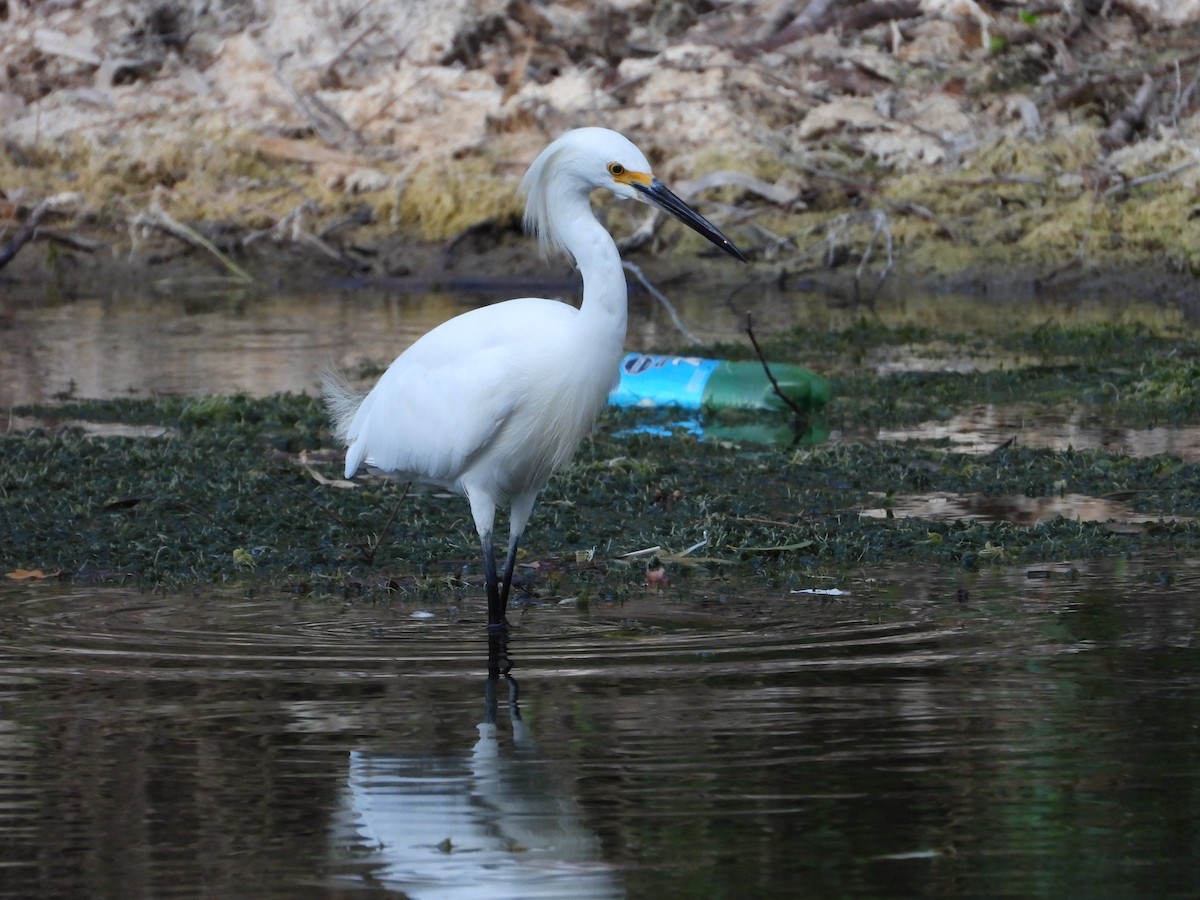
(126, 343)
(1039, 737)
(114, 342)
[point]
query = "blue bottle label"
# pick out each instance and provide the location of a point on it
(649, 380)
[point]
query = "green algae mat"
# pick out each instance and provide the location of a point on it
(247, 491)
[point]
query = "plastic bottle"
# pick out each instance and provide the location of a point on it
(689, 382)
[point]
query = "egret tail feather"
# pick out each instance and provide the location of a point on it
(341, 400)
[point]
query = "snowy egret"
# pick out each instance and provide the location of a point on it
(492, 402)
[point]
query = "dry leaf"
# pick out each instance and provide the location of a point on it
(30, 574)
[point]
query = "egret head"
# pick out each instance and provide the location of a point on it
(588, 158)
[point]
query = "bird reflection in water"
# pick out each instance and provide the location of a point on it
(490, 823)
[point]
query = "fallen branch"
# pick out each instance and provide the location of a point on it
(323, 119)
(1081, 93)
(744, 180)
(28, 228)
(824, 15)
(157, 217)
(916, 209)
(291, 228)
(74, 241)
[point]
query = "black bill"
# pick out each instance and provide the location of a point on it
(658, 195)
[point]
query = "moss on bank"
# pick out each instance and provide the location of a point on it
(1019, 206)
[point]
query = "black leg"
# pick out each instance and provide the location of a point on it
(510, 563)
(495, 606)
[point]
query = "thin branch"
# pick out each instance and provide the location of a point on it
(661, 298)
(341, 54)
(1152, 177)
(1184, 99)
(373, 546)
(800, 420)
(324, 120)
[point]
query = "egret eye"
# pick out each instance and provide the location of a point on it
(615, 169)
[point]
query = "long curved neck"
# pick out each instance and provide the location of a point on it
(605, 294)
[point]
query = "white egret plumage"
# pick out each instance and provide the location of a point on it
(490, 403)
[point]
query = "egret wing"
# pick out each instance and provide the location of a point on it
(426, 421)
(446, 397)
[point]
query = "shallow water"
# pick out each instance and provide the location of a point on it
(120, 343)
(143, 344)
(117, 341)
(1006, 733)
(983, 428)
(1021, 510)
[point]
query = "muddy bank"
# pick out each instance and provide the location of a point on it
(275, 143)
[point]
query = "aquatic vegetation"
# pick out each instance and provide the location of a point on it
(248, 490)
(222, 503)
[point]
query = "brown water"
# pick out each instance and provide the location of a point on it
(120, 343)
(114, 342)
(139, 344)
(1039, 737)
(984, 427)
(1022, 510)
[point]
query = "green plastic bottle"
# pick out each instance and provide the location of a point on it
(714, 385)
